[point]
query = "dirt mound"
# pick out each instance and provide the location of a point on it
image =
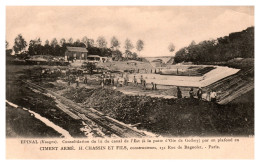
(169, 117)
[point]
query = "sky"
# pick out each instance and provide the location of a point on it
(156, 26)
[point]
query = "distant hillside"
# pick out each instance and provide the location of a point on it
(235, 45)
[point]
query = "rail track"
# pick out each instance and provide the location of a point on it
(78, 112)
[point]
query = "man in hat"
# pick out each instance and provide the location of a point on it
(213, 96)
(135, 81)
(199, 93)
(179, 94)
(191, 93)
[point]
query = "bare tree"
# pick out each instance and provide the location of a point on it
(70, 40)
(90, 42)
(101, 41)
(19, 44)
(62, 41)
(192, 43)
(85, 41)
(54, 42)
(8, 52)
(35, 47)
(47, 42)
(171, 47)
(38, 41)
(139, 45)
(78, 41)
(115, 43)
(128, 45)
(47, 47)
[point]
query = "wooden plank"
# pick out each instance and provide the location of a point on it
(238, 93)
(68, 112)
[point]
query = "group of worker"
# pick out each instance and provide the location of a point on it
(210, 96)
(143, 83)
(108, 79)
(76, 79)
(115, 81)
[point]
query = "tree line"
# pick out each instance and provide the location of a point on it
(58, 48)
(235, 45)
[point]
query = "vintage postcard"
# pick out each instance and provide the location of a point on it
(130, 82)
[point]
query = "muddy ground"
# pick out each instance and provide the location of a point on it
(18, 93)
(44, 106)
(20, 123)
(167, 117)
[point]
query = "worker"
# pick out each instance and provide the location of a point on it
(113, 81)
(144, 85)
(199, 93)
(152, 85)
(69, 80)
(213, 96)
(110, 78)
(102, 82)
(117, 81)
(109, 81)
(179, 94)
(77, 82)
(141, 79)
(208, 96)
(125, 81)
(135, 81)
(191, 93)
(155, 86)
(85, 79)
(43, 72)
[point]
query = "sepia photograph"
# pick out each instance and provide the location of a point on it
(98, 72)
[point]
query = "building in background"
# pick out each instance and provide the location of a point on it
(75, 53)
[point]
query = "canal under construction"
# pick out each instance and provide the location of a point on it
(93, 111)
